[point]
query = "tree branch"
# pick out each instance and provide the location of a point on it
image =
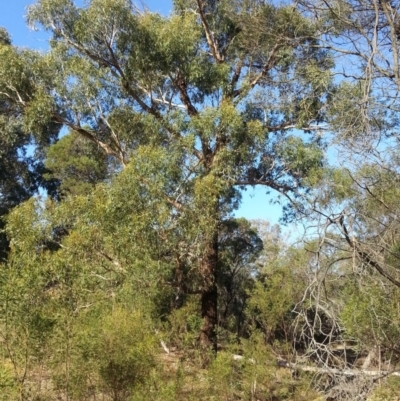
(209, 35)
(265, 69)
(364, 255)
(182, 86)
(87, 134)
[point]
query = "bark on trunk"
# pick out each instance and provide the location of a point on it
(209, 296)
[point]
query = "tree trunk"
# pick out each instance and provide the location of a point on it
(209, 296)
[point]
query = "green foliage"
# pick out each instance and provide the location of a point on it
(120, 348)
(8, 385)
(276, 292)
(168, 118)
(371, 314)
(302, 159)
(348, 113)
(77, 163)
(21, 174)
(4, 37)
(183, 325)
(240, 246)
(387, 391)
(255, 375)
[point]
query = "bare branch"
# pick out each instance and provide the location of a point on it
(364, 255)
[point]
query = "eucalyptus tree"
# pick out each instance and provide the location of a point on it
(196, 106)
(21, 171)
(363, 36)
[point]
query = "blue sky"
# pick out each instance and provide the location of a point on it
(12, 17)
(256, 205)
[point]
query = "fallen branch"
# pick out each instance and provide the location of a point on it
(344, 372)
(330, 371)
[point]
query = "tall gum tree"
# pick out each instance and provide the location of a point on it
(21, 173)
(216, 89)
